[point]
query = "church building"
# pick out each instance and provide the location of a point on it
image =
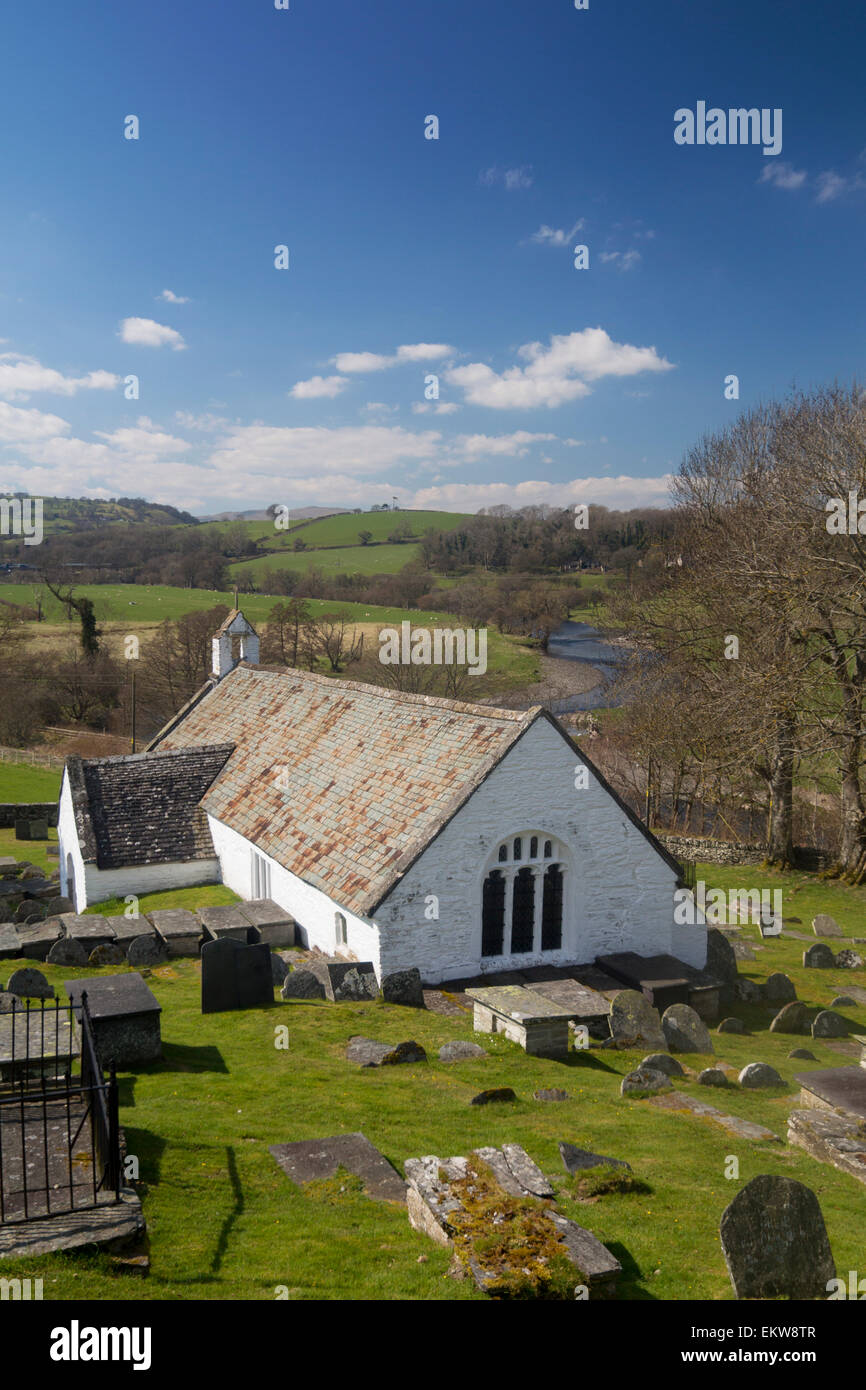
(401, 829)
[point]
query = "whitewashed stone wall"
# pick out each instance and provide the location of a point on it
(618, 892)
(313, 911)
(93, 885)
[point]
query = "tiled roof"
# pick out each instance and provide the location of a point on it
(144, 809)
(341, 783)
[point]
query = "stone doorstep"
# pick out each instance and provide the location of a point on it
(742, 1129)
(113, 1225)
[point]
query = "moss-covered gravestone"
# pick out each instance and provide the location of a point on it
(774, 1241)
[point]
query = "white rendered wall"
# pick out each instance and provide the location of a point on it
(313, 911)
(618, 892)
(67, 835)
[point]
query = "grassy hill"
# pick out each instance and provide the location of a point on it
(348, 559)
(67, 514)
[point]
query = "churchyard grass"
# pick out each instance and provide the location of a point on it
(34, 851)
(225, 1223)
(206, 895)
(21, 782)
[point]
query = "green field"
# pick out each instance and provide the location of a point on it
(21, 782)
(355, 559)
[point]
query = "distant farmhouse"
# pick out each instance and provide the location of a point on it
(400, 829)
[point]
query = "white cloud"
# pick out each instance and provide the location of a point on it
(434, 407)
(144, 440)
(624, 260)
(171, 298)
(284, 452)
(19, 426)
(621, 492)
(556, 373)
(832, 185)
(783, 175)
(379, 362)
(556, 236)
(511, 179)
(379, 408)
(318, 387)
(471, 446)
(206, 422)
(149, 333)
(21, 376)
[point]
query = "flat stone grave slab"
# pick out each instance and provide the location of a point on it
(314, 1160)
(126, 1017)
(28, 1040)
(837, 1088)
(179, 929)
(584, 1005)
(90, 931)
(10, 943)
(537, 1024)
(835, 1139)
(128, 929)
(275, 926)
(662, 979)
(7, 861)
(227, 921)
(743, 1129)
(235, 975)
(37, 939)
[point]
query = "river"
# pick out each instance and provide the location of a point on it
(581, 642)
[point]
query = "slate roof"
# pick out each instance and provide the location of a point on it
(345, 784)
(144, 809)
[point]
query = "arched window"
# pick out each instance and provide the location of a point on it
(522, 901)
(340, 928)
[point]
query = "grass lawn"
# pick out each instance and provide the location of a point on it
(355, 559)
(34, 851)
(206, 895)
(22, 782)
(225, 1223)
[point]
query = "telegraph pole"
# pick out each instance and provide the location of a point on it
(133, 709)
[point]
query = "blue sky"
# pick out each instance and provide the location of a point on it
(407, 256)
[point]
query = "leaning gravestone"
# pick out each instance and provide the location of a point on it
(147, 950)
(579, 1160)
(302, 984)
(634, 1020)
(818, 957)
(793, 1018)
(67, 952)
(825, 925)
(829, 1025)
(235, 976)
(685, 1030)
(775, 1243)
(30, 984)
(779, 988)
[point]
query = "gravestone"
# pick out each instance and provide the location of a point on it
(759, 1074)
(37, 940)
(579, 1160)
(634, 1020)
(829, 1025)
(779, 988)
(747, 991)
(775, 1243)
(793, 1018)
(843, 1001)
(302, 984)
(644, 1079)
(9, 1002)
(147, 950)
(553, 1094)
(721, 961)
(849, 960)
(279, 969)
(235, 975)
(803, 1054)
(10, 943)
(662, 1061)
(125, 1016)
(56, 906)
(366, 1051)
(67, 952)
(712, 1076)
(39, 830)
(403, 987)
(731, 1025)
(316, 1160)
(345, 980)
(460, 1051)
(179, 929)
(107, 954)
(684, 1030)
(22, 829)
(818, 957)
(29, 984)
(825, 925)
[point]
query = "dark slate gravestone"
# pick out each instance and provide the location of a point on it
(775, 1242)
(39, 831)
(125, 1015)
(148, 949)
(235, 975)
(578, 1160)
(22, 830)
(313, 1160)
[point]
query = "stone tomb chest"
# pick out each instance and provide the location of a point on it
(836, 1088)
(125, 1015)
(539, 1025)
(664, 980)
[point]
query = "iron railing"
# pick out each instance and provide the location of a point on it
(59, 1133)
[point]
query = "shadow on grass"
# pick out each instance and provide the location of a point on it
(628, 1285)
(231, 1218)
(148, 1148)
(181, 1057)
(588, 1061)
